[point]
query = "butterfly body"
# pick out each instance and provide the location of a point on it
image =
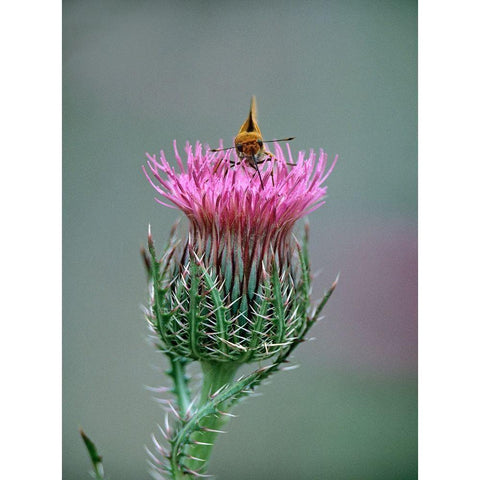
(249, 143)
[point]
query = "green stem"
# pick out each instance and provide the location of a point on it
(180, 382)
(215, 376)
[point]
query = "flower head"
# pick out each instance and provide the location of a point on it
(237, 288)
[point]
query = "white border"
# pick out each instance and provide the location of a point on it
(30, 243)
(449, 246)
(449, 239)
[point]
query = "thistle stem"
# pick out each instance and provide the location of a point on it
(215, 376)
(180, 382)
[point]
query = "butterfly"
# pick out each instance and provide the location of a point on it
(249, 144)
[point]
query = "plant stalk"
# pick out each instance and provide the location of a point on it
(215, 376)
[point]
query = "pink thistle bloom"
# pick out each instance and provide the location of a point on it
(241, 235)
(219, 199)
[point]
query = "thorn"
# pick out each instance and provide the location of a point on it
(213, 395)
(157, 389)
(263, 369)
(174, 411)
(227, 414)
(190, 406)
(266, 367)
(195, 458)
(206, 429)
(151, 455)
(159, 447)
(150, 239)
(251, 393)
(167, 437)
(159, 463)
(197, 442)
(167, 425)
(160, 468)
(196, 474)
(290, 367)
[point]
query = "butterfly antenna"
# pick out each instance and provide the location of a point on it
(221, 149)
(280, 140)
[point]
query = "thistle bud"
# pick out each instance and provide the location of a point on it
(236, 288)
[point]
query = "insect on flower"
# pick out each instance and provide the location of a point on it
(249, 143)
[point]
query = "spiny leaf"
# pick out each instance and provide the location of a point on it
(94, 456)
(325, 298)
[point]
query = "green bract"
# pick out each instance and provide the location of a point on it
(211, 312)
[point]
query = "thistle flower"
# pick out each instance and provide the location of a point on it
(237, 288)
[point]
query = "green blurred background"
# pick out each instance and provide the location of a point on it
(341, 75)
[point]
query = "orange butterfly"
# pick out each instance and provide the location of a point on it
(249, 143)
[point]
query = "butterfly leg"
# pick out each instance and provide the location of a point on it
(267, 158)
